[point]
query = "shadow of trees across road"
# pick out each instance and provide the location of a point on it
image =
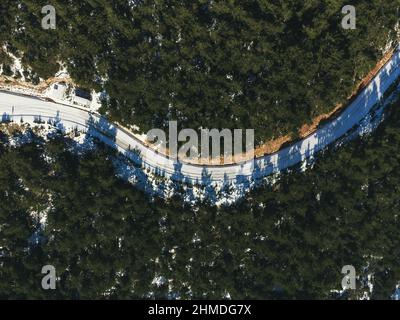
(138, 169)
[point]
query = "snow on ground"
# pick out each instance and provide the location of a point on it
(57, 92)
(16, 66)
(64, 93)
(396, 294)
(219, 190)
(219, 193)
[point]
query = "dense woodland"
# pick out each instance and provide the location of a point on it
(267, 65)
(289, 240)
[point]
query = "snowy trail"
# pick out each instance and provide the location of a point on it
(30, 109)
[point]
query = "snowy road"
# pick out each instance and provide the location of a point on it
(17, 107)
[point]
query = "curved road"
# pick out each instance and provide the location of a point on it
(26, 108)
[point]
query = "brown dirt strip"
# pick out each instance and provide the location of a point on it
(308, 129)
(268, 147)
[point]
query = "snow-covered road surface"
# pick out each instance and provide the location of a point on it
(29, 109)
